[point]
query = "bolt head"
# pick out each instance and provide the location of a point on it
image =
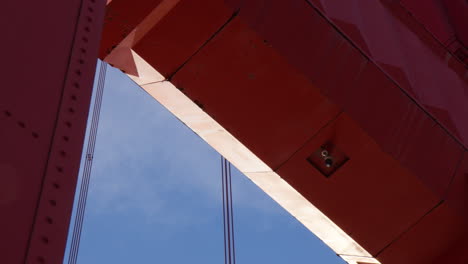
(324, 153)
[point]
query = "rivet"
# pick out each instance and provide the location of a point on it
(45, 240)
(49, 220)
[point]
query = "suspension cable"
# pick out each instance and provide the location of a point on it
(85, 179)
(228, 214)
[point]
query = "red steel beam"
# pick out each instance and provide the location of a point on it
(285, 77)
(49, 59)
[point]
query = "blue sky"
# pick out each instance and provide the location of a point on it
(155, 195)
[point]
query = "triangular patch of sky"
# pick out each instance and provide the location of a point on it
(155, 195)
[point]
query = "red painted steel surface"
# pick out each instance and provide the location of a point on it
(409, 55)
(400, 47)
(49, 57)
(370, 194)
(185, 35)
(349, 79)
(433, 15)
(266, 101)
(433, 236)
(457, 11)
(456, 254)
(446, 19)
(285, 77)
(121, 17)
(456, 196)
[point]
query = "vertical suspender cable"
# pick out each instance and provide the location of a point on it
(233, 248)
(228, 211)
(85, 179)
(228, 217)
(226, 260)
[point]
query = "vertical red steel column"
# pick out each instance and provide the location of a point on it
(50, 50)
